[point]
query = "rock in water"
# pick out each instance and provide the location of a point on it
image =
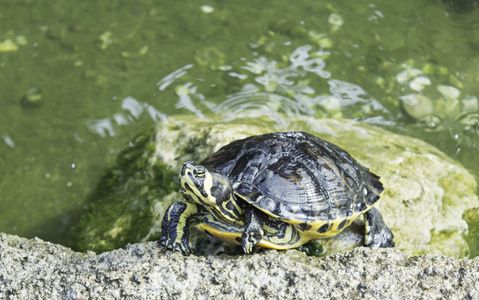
(426, 192)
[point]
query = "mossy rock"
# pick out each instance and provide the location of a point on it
(121, 208)
(426, 192)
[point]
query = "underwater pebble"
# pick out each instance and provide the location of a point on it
(321, 39)
(8, 46)
(105, 40)
(428, 68)
(143, 50)
(453, 80)
(207, 9)
(470, 104)
(448, 91)
(336, 21)
(417, 106)
(414, 72)
(8, 141)
(441, 70)
(407, 74)
(418, 83)
(380, 81)
(325, 42)
(21, 40)
(402, 76)
(33, 97)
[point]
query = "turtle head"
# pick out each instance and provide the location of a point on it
(203, 186)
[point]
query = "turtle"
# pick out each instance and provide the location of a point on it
(277, 190)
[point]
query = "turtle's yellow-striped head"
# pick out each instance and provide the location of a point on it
(212, 190)
(196, 184)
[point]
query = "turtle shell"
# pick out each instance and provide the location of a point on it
(297, 177)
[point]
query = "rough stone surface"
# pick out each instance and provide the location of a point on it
(33, 269)
(426, 192)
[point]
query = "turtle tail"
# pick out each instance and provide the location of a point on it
(375, 188)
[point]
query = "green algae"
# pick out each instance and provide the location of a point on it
(118, 210)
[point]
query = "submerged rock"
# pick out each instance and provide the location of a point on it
(425, 197)
(417, 106)
(33, 269)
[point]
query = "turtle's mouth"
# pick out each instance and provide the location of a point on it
(188, 194)
(186, 188)
(192, 193)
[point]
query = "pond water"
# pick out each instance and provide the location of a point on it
(80, 78)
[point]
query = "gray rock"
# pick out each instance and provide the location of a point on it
(33, 269)
(426, 193)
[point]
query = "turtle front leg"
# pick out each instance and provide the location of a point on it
(176, 225)
(378, 234)
(253, 232)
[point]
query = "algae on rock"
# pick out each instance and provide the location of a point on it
(120, 209)
(426, 192)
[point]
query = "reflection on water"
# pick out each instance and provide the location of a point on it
(254, 104)
(278, 90)
(187, 97)
(133, 110)
(170, 78)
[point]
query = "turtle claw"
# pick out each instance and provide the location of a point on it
(162, 241)
(253, 232)
(247, 247)
(249, 239)
(167, 243)
(185, 247)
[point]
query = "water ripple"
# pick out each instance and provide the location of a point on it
(276, 107)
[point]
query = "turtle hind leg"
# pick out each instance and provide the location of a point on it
(378, 234)
(176, 225)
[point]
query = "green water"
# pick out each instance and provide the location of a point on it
(81, 78)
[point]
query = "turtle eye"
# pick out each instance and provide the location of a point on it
(199, 173)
